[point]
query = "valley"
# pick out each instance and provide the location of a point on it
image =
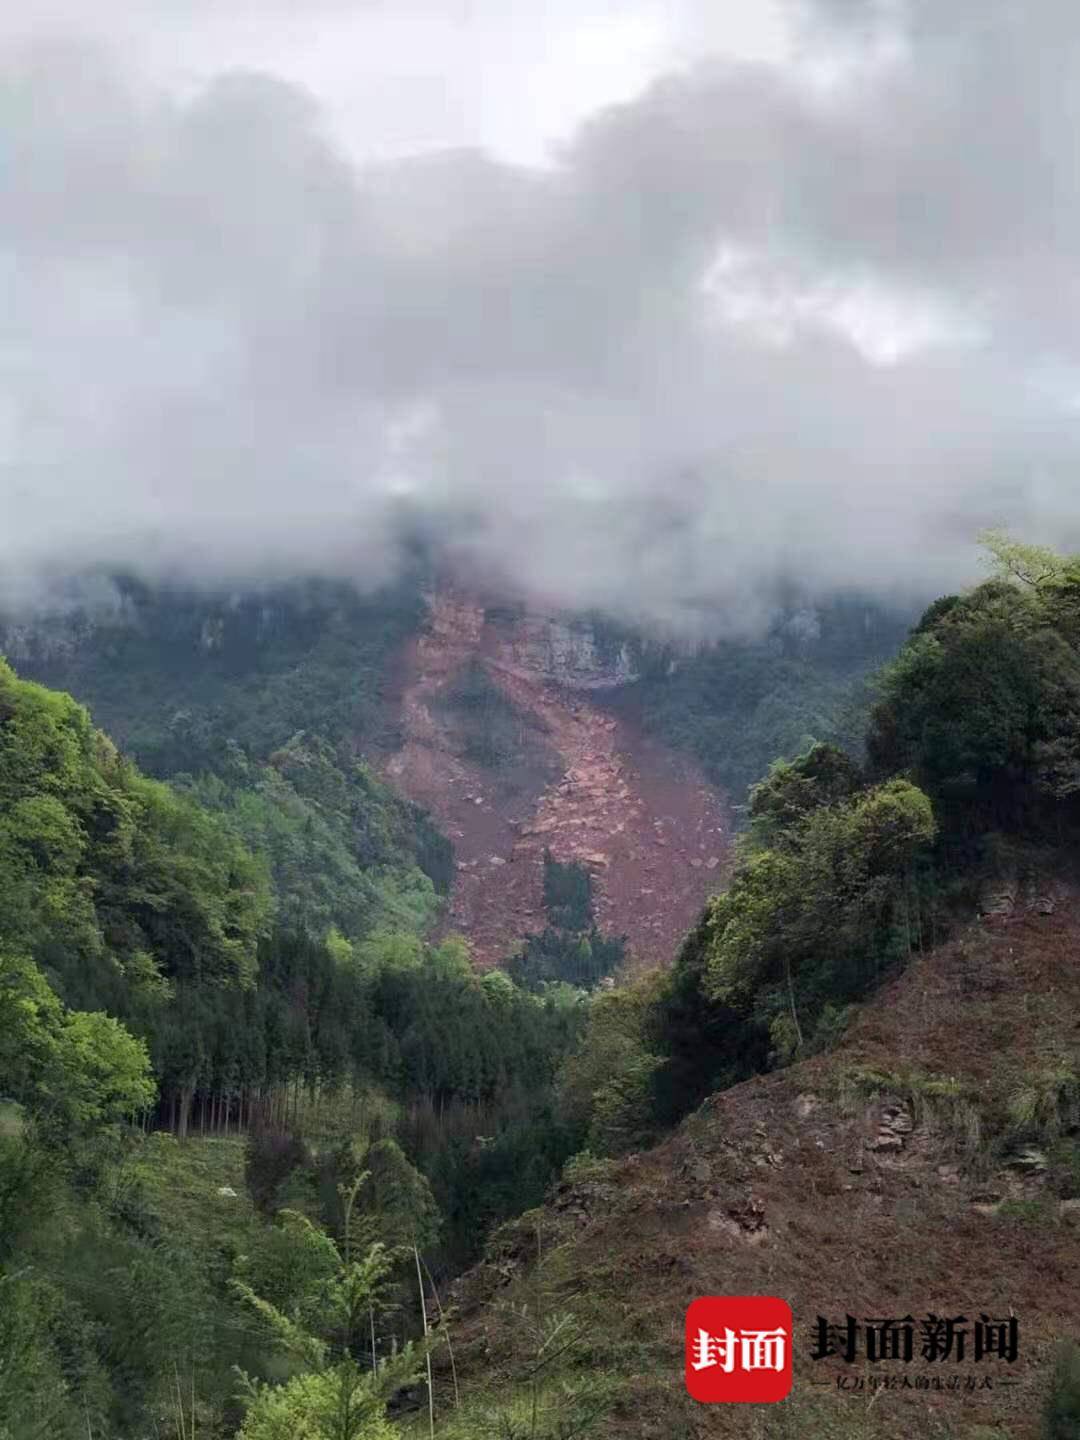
(540, 721)
(236, 998)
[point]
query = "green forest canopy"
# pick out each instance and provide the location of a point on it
(156, 969)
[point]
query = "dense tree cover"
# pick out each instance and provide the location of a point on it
(738, 705)
(606, 1087)
(71, 1079)
(256, 705)
(335, 1392)
(846, 864)
(110, 881)
(136, 901)
(568, 897)
(125, 1314)
(570, 949)
(793, 790)
(817, 915)
(982, 707)
(341, 850)
(117, 895)
(824, 899)
(174, 675)
(455, 1054)
(67, 1071)
(580, 958)
(145, 983)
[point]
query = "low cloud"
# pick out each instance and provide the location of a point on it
(752, 328)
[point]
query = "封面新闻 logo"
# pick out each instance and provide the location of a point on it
(738, 1348)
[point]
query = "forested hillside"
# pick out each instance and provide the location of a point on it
(970, 780)
(147, 989)
(243, 1134)
(738, 705)
(529, 794)
(260, 705)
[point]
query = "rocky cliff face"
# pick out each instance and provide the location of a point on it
(53, 639)
(574, 654)
(565, 772)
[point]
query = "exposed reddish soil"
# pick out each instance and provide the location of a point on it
(588, 786)
(885, 1179)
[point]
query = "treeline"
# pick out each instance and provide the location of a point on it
(455, 1054)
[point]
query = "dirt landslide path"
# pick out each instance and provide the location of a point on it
(590, 788)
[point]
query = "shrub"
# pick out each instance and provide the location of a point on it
(269, 1161)
(1061, 1413)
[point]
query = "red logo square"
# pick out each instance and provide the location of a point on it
(738, 1347)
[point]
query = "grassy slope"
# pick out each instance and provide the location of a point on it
(183, 1178)
(770, 1189)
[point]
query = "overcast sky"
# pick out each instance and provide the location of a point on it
(646, 309)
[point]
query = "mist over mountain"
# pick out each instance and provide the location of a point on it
(509, 794)
(811, 317)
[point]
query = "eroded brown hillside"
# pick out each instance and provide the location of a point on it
(559, 771)
(914, 1170)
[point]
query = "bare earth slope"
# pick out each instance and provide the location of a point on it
(888, 1178)
(581, 782)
